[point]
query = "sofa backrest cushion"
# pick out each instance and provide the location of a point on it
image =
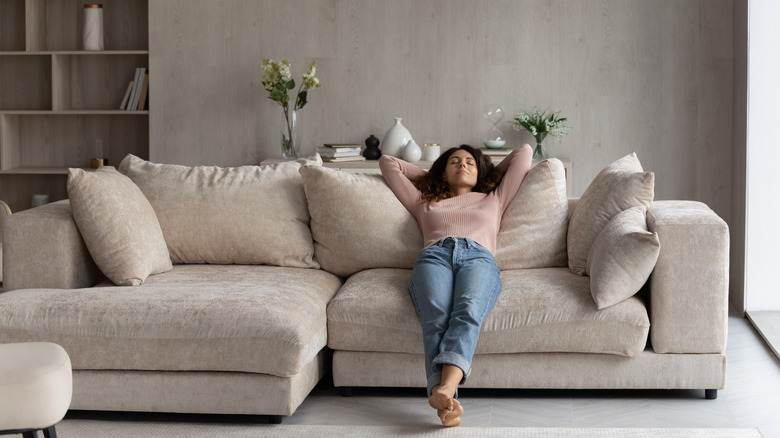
(619, 186)
(358, 223)
(224, 215)
(118, 225)
(622, 257)
(533, 228)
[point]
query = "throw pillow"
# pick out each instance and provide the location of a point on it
(533, 228)
(622, 258)
(226, 215)
(619, 186)
(119, 226)
(358, 223)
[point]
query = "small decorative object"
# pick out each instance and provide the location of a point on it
(39, 199)
(277, 79)
(539, 124)
(97, 163)
(93, 27)
(412, 152)
(395, 139)
(493, 138)
(372, 152)
(431, 151)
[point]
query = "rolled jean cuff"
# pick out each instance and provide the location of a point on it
(435, 379)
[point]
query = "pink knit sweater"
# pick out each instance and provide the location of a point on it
(473, 215)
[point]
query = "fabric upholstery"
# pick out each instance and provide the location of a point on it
(533, 228)
(539, 310)
(35, 385)
(689, 286)
(196, 392)
(619, 186)
(258, 319)
(622, 257)
(29, 251)
(358, 223)
(242, 215)
(541, 370)
(118, 224)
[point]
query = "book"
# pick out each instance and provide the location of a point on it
(338, 152)
(133, 92)
(144, 92)
(342, 145)
(127, 96)
(136, 94)
(341, 159)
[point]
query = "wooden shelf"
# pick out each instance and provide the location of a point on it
(59, 104)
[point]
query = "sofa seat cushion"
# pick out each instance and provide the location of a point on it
(257, 319)
(539, 310)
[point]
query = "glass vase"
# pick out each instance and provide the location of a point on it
(290, 138)
(539, 153)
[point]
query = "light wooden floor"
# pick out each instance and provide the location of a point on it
(751, 399)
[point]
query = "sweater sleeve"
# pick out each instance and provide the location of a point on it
(514, 167)
(398, 174)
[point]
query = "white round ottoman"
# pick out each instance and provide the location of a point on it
(36, 386)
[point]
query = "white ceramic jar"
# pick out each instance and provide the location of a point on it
(395, 139)
(93, 27)
(412, 152)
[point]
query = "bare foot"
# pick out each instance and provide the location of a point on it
(441, 399)
(452, 418)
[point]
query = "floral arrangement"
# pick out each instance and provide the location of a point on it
(278, 80)
(540, 124)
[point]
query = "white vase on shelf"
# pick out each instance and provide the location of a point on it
(93, 27)
(395, 139)
(412, 152)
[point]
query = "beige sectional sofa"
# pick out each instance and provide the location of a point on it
(270, 276)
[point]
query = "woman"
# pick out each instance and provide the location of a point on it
(458, 205)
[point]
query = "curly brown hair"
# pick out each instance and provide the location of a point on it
(433, 188)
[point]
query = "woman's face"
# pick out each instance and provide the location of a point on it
(461, 172)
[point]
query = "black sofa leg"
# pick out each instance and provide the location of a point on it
(346, 391)
(275, 419)
(710, 394)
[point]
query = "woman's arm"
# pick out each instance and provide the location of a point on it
(399, 174)
(513, 170)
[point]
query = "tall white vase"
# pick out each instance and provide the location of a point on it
(93, 27)
(395, 139)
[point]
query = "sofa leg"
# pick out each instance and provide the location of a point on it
(29, 434)
(710, 394)
(274, 419)
(346, 391)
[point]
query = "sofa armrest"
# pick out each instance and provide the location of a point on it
(43, 249)
(689, 285)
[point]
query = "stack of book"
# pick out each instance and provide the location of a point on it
(337, 152)
(498, 154)
(137, 91)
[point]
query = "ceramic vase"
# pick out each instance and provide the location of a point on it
(93, 27)
(372, 152)
(411, 152)
(395, 139)
(289, 130)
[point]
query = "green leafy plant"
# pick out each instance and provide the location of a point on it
(540, 124)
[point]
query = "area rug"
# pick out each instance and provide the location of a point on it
(122, 429)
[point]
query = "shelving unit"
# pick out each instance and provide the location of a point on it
(59, 105)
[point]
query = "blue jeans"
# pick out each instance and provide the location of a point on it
(455, 283)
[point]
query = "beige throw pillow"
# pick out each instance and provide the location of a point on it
(358, 223)
(533, 228)
(622, 258)
(226, 215)
(118, 225)
(619, 186)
